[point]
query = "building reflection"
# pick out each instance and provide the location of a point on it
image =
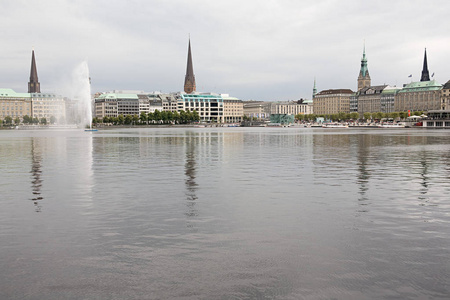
(36, 172)
(190, 182)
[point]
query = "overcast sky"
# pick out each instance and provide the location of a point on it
(251, 49)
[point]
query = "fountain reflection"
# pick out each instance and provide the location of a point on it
(191, 184)
(36, 172)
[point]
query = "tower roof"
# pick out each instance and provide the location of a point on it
(425, 74)
(33, 84)
(364, 69)
(189, 81)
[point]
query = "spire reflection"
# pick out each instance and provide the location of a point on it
(190, 173)
(36, 172)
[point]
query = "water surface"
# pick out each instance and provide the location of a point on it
(225, 213)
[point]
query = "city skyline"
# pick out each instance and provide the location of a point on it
(272, 55)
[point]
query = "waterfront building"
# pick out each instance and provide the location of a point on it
(34, 103)
(424, 95)
(388, 98)
(169, 101)
(419, 96)
(209, 106)
(302, 107)
(369, 99)
(282, 119)
(115, 103)
(445, 96)
(233, 109)
(332, 101)
(189, 80)
(353, 102)
(257, 109)
(14, 105)
(437, 119)
(364, 77)
(47, 105)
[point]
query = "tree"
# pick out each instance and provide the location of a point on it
(7, 120)
(195, 116)
(106, 119)
(135, 119)
(17, 120)
(120, 120)
(299, 117)
(27, 119)
(394, 115)
(176, 117)
(403, 115)
(128, 119)
(367, 115)
(157, 115)
(35, 120)
(43, 121)
(143, 118)
(354, 116)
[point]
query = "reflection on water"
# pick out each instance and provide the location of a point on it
(216, 213)
(191, 185)
(363, 171)
(36, 181)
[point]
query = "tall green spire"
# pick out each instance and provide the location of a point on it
(364, 62)
(364, 77)
(314, 89)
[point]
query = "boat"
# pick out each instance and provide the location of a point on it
(334, 125)
(391, 125)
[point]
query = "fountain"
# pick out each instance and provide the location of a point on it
(82, 94)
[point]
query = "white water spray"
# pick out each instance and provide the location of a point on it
(82, 94)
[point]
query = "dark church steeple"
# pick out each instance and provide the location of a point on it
(189, 81)
(33, 86)
(425, 74)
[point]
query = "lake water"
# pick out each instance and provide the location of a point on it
(225, 213)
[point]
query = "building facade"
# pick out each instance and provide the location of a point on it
(44, 105)
(419, 96)
(115, 103)
(233, 109)
(292, 107)
(445, 96)
(209, 106)
(257, 109)
(14, 105)
(369, 99)
(332, 101)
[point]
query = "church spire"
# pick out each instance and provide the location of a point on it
(189, 81)
(425, 74)
(314, 89)
(364, 77)
(33, 86)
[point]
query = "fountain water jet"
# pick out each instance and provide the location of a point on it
(82, 93)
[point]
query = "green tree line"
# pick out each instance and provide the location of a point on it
(26, 120)
(157, 117)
